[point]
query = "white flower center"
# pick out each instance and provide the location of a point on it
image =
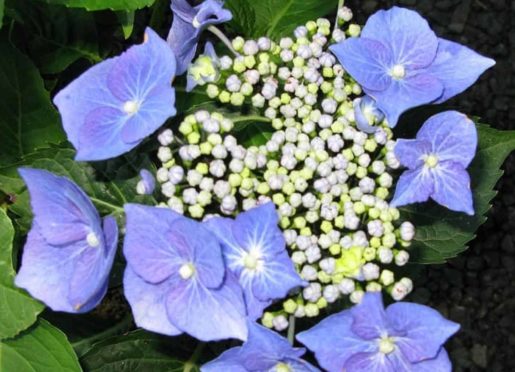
(186, 271)
(252, 259)
(131, 107)
(92, 240)
(431, 161)
(398, 72)
(195, 23)
(386, 345)
(282, 367)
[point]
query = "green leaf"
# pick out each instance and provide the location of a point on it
(109, 184)
(18, 310)
(55, 35)
(275, 18)
(1, 12)
(139, 351)
(27, 118)
(42, 348)
(127, 22)
(442, 234)
(103, 4)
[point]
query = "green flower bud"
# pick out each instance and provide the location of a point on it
(185, 128)
(382, 193)
(278, 199)
(361, 172)
(349, 155)
(237, 43)
(202, 168)
(235, 180)
(237, 99)
(267, 320)
(311, 26)
(203, 70)
(312, 310)
(359, 208)
(205, 148)
(369, 254)
(214, 139)
(323, 277)
(374, 287)
(370, 145)
(354, 30)
(299, 222)
(193, 138)
(306, 231)
(350, 262)
(285, 98)
(326, 226)
(288, 188)
(224, 96)
(204, 198)
(389, 240)
(264, 57)
(212, 91)
(290, 306)
(285, 222)
(247, 184)
(322, 303)
(299, 62)
(239, 65)
(249, 61)
(196, 211)
(351, 169)
(313, 88)
(326, 86)
(328, 72)
(263, 188)
(339, 222)
(387, 278)
(246, 89)
(374, 213)
(375, 242)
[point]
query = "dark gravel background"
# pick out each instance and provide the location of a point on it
(477, 289)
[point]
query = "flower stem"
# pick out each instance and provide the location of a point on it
(291, 329)
(110, 206)
(340, 5)
(192, 362)
(258, 118)
(223, 38)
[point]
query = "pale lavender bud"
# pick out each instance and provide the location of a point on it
(367, 185)
(166, 137)
(250, 48)
(300, 31)
(329, 105)
(193, 177)
(312, 292)
(286, 55)
(252, 76)
(219, 152)
(290, 236)
(248, 204)
(298, 257)
(164, 154)
(335, 143)
(168, 189)
(346, 286)
(176, 174)
(308, 272)
(401, 258)
(331, 293)
(207, 184)
(407, 231)
(327, 59)
(264, 43)
(280, 323)
(301, 91)
(385, 255)
(303, 242)
(162, 175)
(190, 195)
(328, 265)
(304, 51)
(325, 121)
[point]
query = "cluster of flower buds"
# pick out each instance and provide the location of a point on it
(330, 181)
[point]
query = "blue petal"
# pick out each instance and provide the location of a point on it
(208, 314)
(299, 365)
(377, 362)
(409, 36)
(452, 187)
(411, 152)
(453, 137)
(413, 186)
(364, 108)
(401, 95)
(441, 364)
(149, 182)
(230, 360)
(211, 12)
(148, 303)
(92, 267)
(275, 280)
(448, 67)
(255, 306)
(423, 330)
(333, 341)
(367, 61)
(63, 211)
(369, 317)
(232, 251)
(146, 246)
(183, 39)
(257, 228)
(268, 344)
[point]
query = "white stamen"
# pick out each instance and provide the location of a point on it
(431, 161)
(196, 23)
(131, 107)
(92, 240)
(398, 72)
(386, 345)
(186, 271)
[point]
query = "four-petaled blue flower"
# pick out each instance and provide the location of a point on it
(437, 161)
(255, 251)
(176, 281)
(188, 23)
(401, 63)
(264, 350)
(113, 106)
(69, 251)
(406, 337)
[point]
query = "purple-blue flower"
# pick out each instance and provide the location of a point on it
(176, 281)
(437, 161)
(147, 183)
(113, 106)
(69, 250)
(255, 251)
(404, 337)
(401, 63)
(367, 114)
(188, 23)
(264, 350)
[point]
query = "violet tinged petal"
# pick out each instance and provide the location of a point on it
(333, 341)
(377, 362)
(197, 246)
(148, 303)
(411, 152)
(367, 61)
(255, 306)
(448, 67)
(230, 360)
(299, 365)
(257, 229)
(232, 251)
(276, 278)
(401, 95)
(452, 187)
(63, 211)
(369, 317)
(85, 94)
(453, 137)
(367, 114)
(409, 36)
(423, 330)
(211, 12)
(413, 186)
(146, 246)
(441, 363)
(208, 314)
(92, 268)
(147, 181)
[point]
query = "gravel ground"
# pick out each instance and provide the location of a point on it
(477, 289)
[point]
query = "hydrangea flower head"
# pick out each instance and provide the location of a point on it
(264, 350)
(437, 161)
(188, 23)
(255, 251)
(175, 280)
(113, 106)
(404, 337)
(69, 250)
(401, 63)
